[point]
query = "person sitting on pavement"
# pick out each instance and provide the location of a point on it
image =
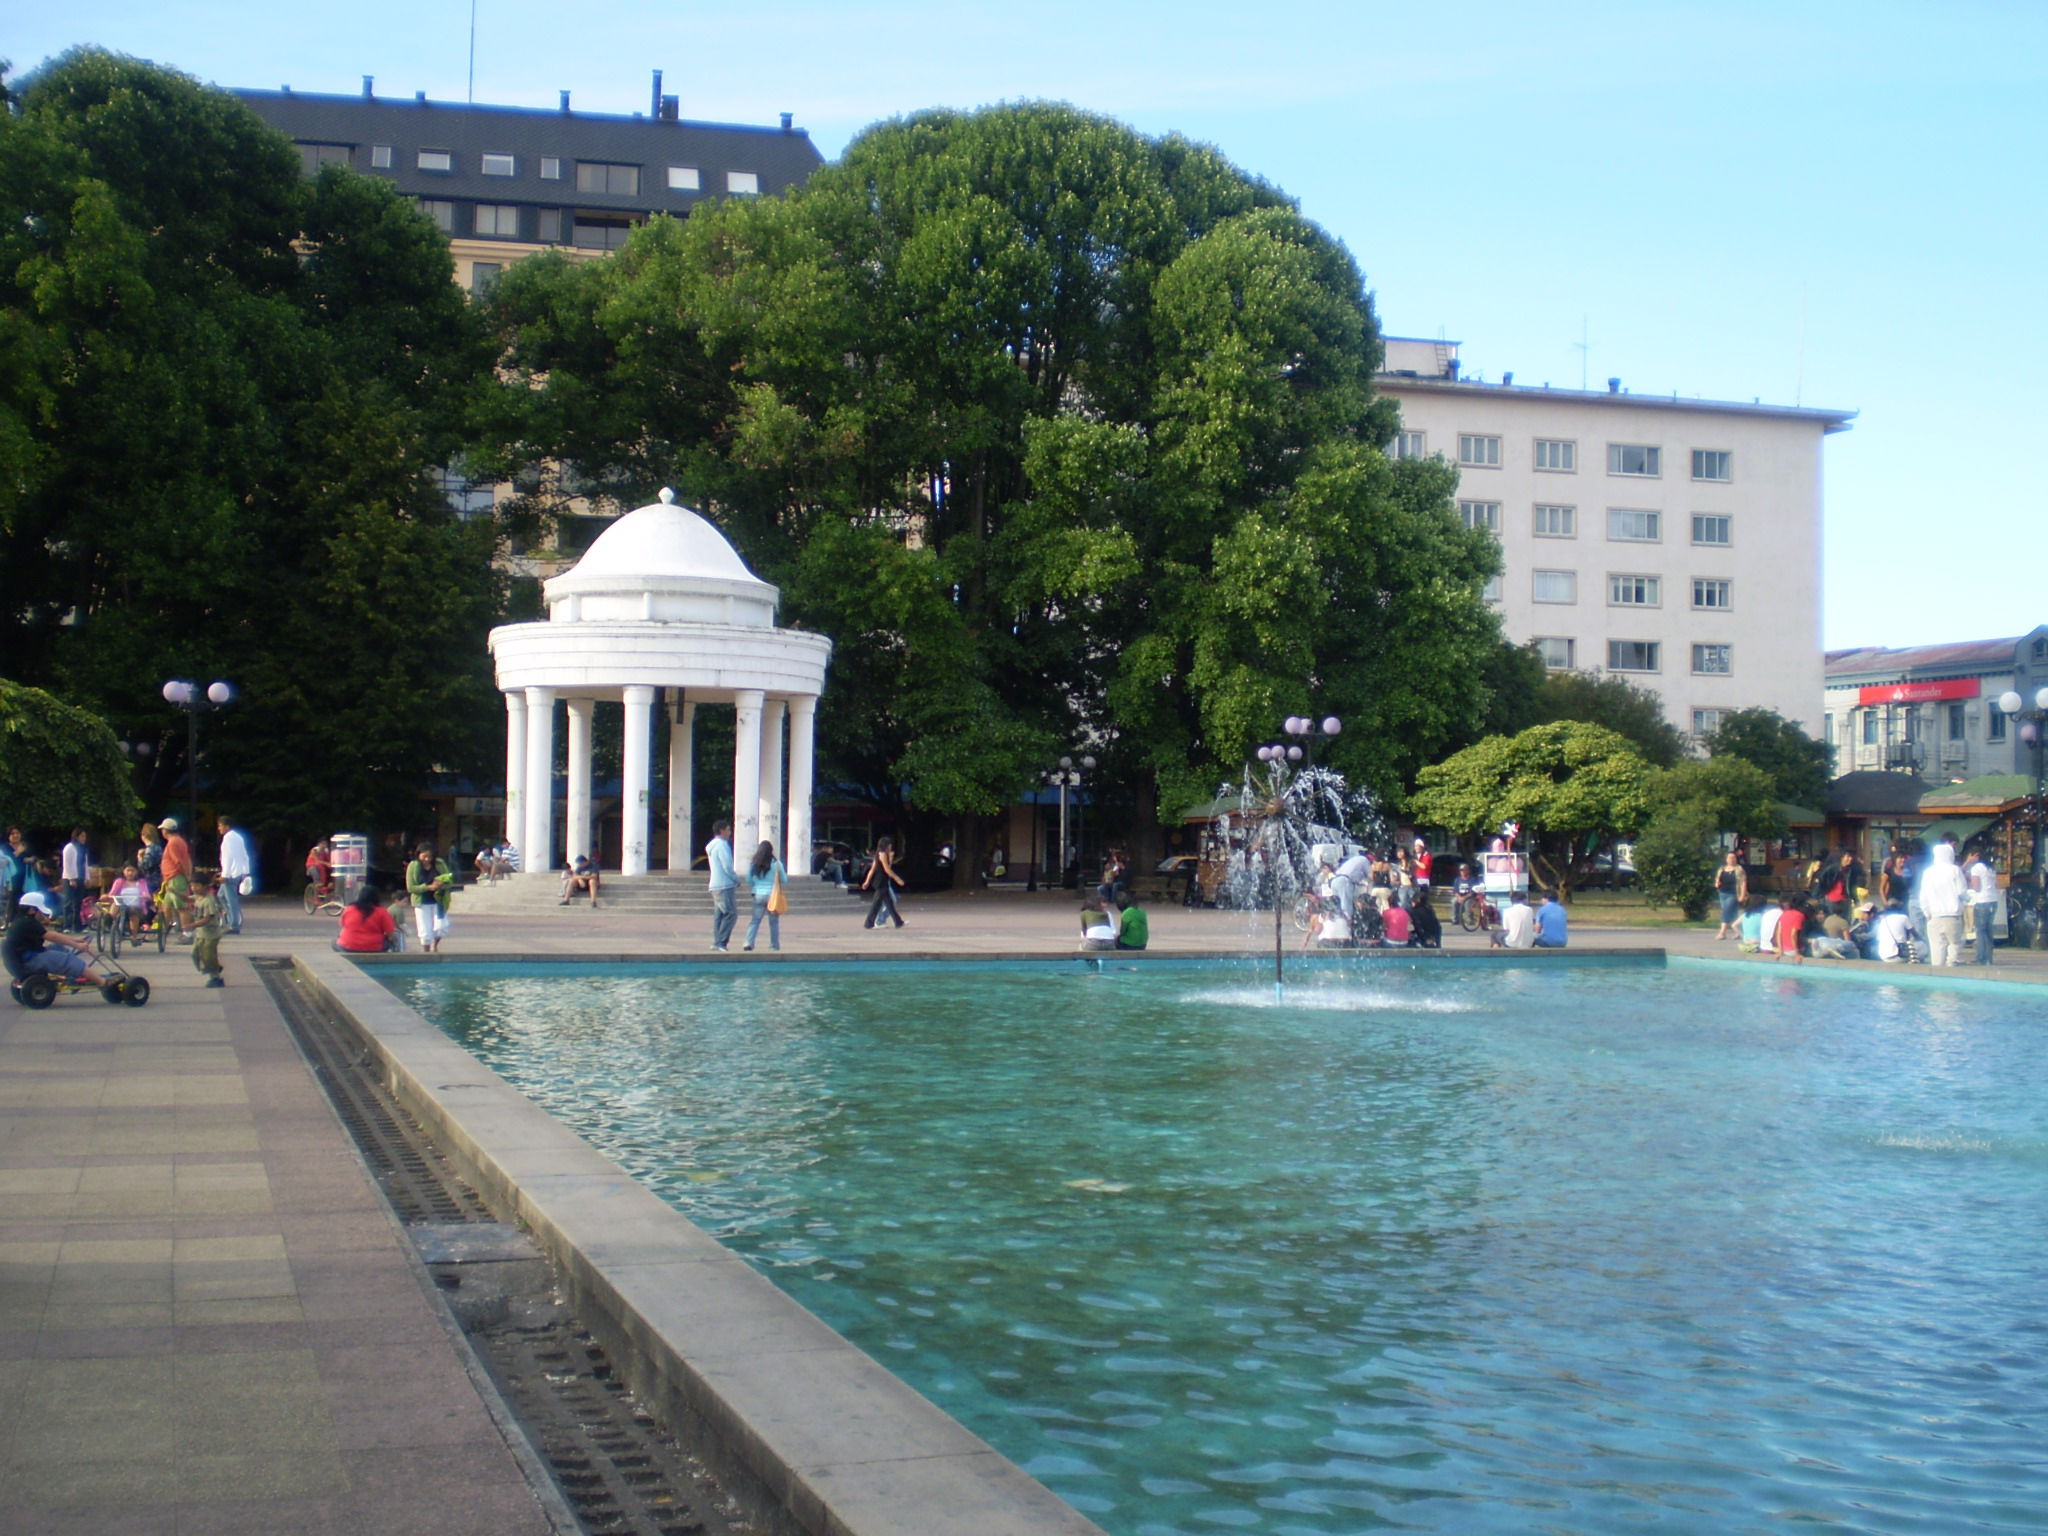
(1833, 941)
(1098, 925)
(1552, 923)
(1750, 931)
(1133, 929)
(1896, 942)
(1791, 927)
(1518, 924)
(1328, 929)
(1397, 927)
(29, 942)
(367, 927)
(1426, 929)
(579, 875)
(1767, 926)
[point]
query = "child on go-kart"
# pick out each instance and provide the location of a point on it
(29, 942)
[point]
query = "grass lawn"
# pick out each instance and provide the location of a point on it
(1626, 909)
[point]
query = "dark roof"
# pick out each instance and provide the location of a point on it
(1876, 793)
(1962, 656)
(781, 158)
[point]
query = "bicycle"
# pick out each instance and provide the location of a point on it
(1474, 912)
(322, 896)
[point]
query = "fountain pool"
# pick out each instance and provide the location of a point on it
(1571, 1247)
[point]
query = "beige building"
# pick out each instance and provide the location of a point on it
(1674, 542)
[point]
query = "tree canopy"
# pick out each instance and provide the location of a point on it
(1065, 434)
(60, 767)
(1571, 786)
(1696, 802)
(1798, 766)
(1599, 698)
(228, 393)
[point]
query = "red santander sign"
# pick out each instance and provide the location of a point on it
(1920, 693)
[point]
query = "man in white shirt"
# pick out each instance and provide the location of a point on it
(1941, 901)
(75, 866)
(1894, 935)
(237, 864)
(1518, 923)
(1983, 902)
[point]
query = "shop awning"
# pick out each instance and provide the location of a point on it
(1961, 828)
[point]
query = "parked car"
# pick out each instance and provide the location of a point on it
(1614, 870)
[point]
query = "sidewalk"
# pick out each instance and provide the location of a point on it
(208, 1322)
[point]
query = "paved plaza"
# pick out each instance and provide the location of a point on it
(209, 1323)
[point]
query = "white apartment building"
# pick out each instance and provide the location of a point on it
(1673, 542)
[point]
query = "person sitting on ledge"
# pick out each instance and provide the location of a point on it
(1425, 926)
(1133, 929)
(1551, 923)
(1098, 926)
(580, 875)
(1397, 926)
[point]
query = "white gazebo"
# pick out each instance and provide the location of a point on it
(660, 607)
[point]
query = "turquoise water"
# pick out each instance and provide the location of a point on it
(1452, 1248)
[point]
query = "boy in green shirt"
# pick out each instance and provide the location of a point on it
(1132, 930)
(207, 912)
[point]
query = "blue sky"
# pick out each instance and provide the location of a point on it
(1825, 203)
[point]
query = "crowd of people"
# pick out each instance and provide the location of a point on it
(1916, 914)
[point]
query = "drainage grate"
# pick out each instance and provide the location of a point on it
(620, 1470)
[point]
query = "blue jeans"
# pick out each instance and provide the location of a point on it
(725, 915)
(774, 924)
(1983, 916)
(231, 893)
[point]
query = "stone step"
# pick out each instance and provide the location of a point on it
(652, 893)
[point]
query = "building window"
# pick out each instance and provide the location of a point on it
(1707, 721)
(602, 231)
(1955, 722)
(549, 231)
(550, 168)
(1491, 590)
(1555, 586)
(1827, 726)
(1557, 522)
(483, 274)
(1635, 591)
(1407, 445)
(1713, 660)
(1711, 592)
(1478, 452)
(380, 157)
(1713, 464)
(466, 497)
(500, 165)
(1635, 459)
(1870, 728)
(597, 176)
(442, 213)
(436, 160)
(1632, 656)
(742, 183)
(1556, 651)
(1634, 526)
(684, 178)
(500, 219)
(1480, 514)
(1712, 528)
(313, 156)
(1557, 455)
(1994, 724)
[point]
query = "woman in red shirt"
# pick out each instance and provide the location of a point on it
(366, 928)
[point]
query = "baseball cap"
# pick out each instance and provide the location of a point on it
(168, 824)
(37, 900)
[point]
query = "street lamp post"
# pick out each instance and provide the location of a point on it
(1069, 772)
(2032, 723)
(187, 695)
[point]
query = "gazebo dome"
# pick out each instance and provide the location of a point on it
(662, 564)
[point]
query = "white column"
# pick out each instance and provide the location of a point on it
(576, 830)
(771, 769)
(639, 743)
(796, 852)
(537, 847)
(682, 786)
(746, 773)
(515, 766)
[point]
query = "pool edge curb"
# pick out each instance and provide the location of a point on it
(832, 1441)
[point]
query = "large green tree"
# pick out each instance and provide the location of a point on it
(1064, 434)
(1601, 698)
(1798, 766)
(1570, 786)
(60, 767)
(226, 395)
(1696, 802)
